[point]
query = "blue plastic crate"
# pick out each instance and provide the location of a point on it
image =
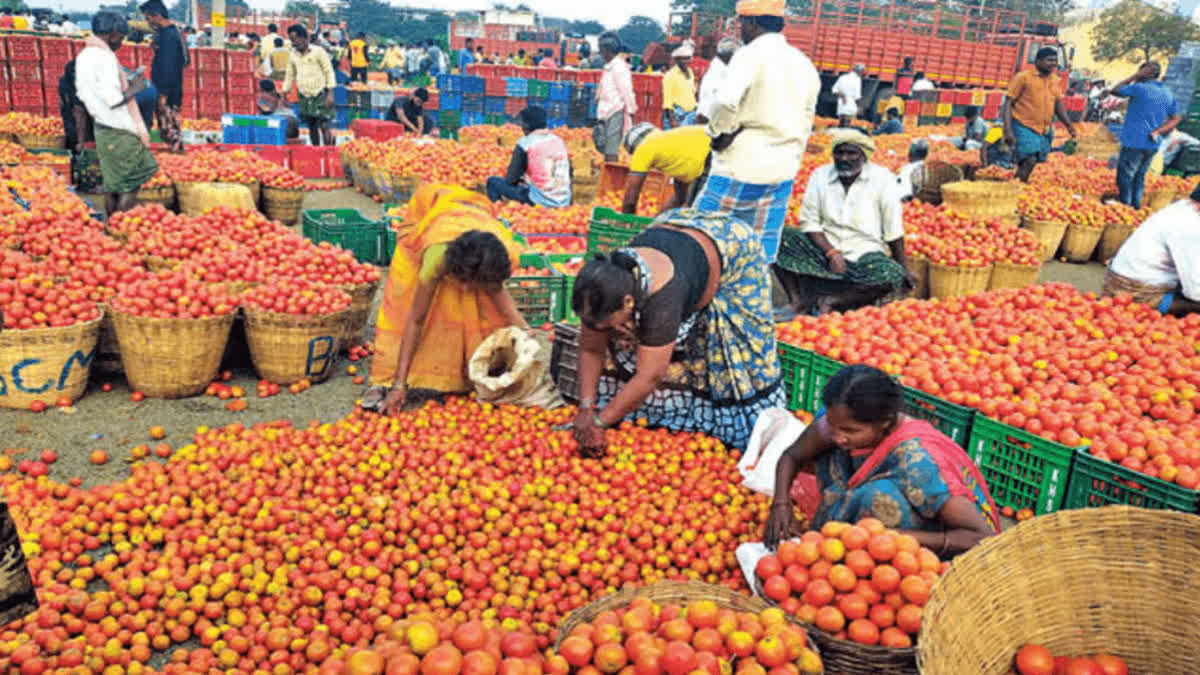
(448, 84)
(340, 96)
(377, 114)
(235, 135)
(472, 119)
(556, 109)
(516, 87)
(472, 103)
(276, 134)
(560, 91)
(556, 122)
(342, 119)
(494, 105)
(450, 101)
(473, 85)
(540, 102)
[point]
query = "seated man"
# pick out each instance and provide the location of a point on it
(918, 150)
(540, 170)
(410, 112)
(892, 125)
(850, 220)
(680, 154)
(271, 102)
(995, 151)
(974, 132)
(1159, 265)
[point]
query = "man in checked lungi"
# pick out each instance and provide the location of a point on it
(760, 123)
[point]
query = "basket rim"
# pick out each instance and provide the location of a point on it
(155, 320)
(283, 316)
(21, 335)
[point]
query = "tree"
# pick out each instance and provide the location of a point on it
(1134, 31)
(305, 8)
(639, 32)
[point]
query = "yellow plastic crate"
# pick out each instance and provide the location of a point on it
(944, 109)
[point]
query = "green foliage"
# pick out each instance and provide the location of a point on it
(301, 8)
(381, 20)
(639, 32)
(1134, 31)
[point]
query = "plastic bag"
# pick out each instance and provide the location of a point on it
(196, 197)
(511, 366)
(775, 431)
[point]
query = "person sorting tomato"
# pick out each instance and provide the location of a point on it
(677, 329)
(873, 461)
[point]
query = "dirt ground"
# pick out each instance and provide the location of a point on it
(111, 421)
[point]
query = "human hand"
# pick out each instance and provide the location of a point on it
(779, 524)
(329, 98)
(837, 263)
(394, 402)
(1074, 134)
(1009, 138)
(911, 278)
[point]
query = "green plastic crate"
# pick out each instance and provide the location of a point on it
(1096, 482)
(448, 133)
(349, 229)
(539, 89)
(796, 365)
(450, 118)
(565, 311)
(495, 120)
(611, 229)
(1022, 470)
(538, 298)
(822, 369)
(951, 419)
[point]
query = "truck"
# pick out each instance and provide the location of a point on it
(979, 48)
(507, 32)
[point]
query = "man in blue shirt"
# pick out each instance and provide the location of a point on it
(465, 57)
(1151, 115)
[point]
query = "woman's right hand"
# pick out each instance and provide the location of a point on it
(394, 402)
(779, 524)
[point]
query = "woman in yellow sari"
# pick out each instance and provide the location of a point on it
(446, 283)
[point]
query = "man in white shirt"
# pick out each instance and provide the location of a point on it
(849, 249)
(848, 90)
(760, 125)
(122, 142)
(918, 150)
(1159, 264)
(712, 79)
(921, 84)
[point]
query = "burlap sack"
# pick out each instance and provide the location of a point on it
(511, 366)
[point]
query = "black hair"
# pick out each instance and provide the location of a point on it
(478, 256)
(272, 28)
(870, 395)
(919, 75)
(1196, 194)
(105, 22)
(770, 24)
(1155, 65)
(972, 111)
(533, 117)
(361, 35)
(278, 42)
(267, 86)
(908, 61)
(421, 93)
(1045, 52)
(298, 30)
(609, 41)
(893, 112)
(469, 42)
(602, 285)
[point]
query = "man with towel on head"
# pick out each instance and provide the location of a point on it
(760, 124)
(679, 89)
(849, 249)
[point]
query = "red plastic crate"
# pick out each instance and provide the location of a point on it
(495, 87)
(209, 59)
(56, 47)
(127, 57)
(53, 67)
(333, 163)
(210, 83)
(244, 83)
(27, 93)
(378, 130)
(513, 106)
(308, 161)
(144, 55)
(432, 103)
(189, 109)
(38, 109)
(240, 104)
(210, 107)
(240, 61)
(280, 155)
(24, 48)
(25, 71)
(547, 74)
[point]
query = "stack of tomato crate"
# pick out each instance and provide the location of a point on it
(26, 74)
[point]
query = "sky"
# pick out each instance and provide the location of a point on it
(611, 13)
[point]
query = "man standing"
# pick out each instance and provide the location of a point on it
(436, 58)
(712, 79)
(615, 103)
(540, 170)
(122, 142)
(1152, 115)
(466, 57)
(358, 58)
(848, 90)
(393, 63)
(311, 72)
(1034, 99)
(268, 41)
(414, 57)
(679, 89)
(850, 220)
(760, 124)
(904, 77)
(166, 72)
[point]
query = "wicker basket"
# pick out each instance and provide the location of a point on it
(1009, 275)
(672, 593)
(919, 265)
(1012, 220)
(1049, 234)
(56, 360)
(1114, 235)
(171, 358)
(362, 298)
(1097, 147)
(928, 181)
(950, 281)
(287, 348)
(39, 142)
(283, 204)
(1118, 579)
(403, 188)
(1080, 242)
(1161, 199)
(981, 199)
(164, 195)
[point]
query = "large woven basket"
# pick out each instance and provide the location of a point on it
(673, 593)
(287, 348)
(164, 195)
(981, 199)
(1009, 275)
(403, 188)
(919, 265)
(52, 362)
(1161, 199)
(171, 358)
(950, 281)
(362, 300)
(1080, 242)
(1097, 147)
(1049, 234)
(1114, 235)
(42, 142)
(928, 181)
(283, 204)
(1118, 579)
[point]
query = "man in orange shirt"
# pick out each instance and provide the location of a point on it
(1034, 100)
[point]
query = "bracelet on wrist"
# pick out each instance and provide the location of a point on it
(598, 423)
(587, 404)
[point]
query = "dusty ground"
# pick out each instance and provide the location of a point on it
(114, 423)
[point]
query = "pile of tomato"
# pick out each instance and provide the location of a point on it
(942, 236)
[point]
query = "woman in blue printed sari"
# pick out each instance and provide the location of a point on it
(677, 329)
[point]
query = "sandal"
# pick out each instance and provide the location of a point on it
(373, 398)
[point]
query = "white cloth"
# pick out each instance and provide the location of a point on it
(98, 85)
(1165, 250)
(922, 85)
(848, 89)
(857, 221)
(905, 178)
(709, 85)
(769, 92)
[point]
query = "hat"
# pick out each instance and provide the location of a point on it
(854, 137)
(760, 7)
(685, 51)
(994, 134)
(637, 134)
